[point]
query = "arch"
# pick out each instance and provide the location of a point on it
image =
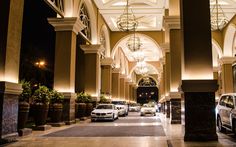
(216, 53)
(105, 31)
(229, 40)
(115, 48)
(92, 16)
(149, 76)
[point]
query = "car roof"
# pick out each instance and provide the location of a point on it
(234, 94)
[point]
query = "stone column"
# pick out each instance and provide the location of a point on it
(135, 93)
(116, 83)
(10, 42)
(172, 25)
(197, 76)
(92, 70)
(65, 57)
(122, 87)
(131, 92)
(106, 76)
(227, 74)
(126, 90)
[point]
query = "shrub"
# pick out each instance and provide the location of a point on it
(26, 93)
(56, 97)
(42, 95)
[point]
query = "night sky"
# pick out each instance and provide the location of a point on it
(38, 43)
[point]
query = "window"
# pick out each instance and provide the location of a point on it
(84, 17)
(223, 100)
(230, 102)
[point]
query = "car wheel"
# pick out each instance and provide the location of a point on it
(219, 125)
(154, 114)
(113, 117)
(92, 120)
(234, 126)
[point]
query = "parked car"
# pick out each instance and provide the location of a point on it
(148, 109)
(104, 112)
(226, 113)
(122, 107)
(134, 107)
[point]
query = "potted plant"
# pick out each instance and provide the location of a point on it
(56, 106)
(80, 105)
(24, 106)
(89, 104)
(103, 99)
(41, 99)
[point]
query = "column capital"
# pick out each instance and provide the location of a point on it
(165, 47)
(175, 95)
(90, 49)
(66, 24)
(172, 22)
(116, 70)
(107, 61)
(227, 60)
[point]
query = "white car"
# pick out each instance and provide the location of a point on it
(104, 112)
(122, 107)
(134, 108)
(148, 109)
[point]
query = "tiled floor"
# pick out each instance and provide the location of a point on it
(173, 138)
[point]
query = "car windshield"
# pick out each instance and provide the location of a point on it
(104, 107)
(118, 102)
(147, 105)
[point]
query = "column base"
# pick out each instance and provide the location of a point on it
(69, 108)
(175, 111)
(58, 124)
(200, 137)
(25, 132)
(42, 127)
(200, 119)
(9, 95)
(167, 109)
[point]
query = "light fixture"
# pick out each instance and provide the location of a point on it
(134, 43)
(127, 21)
(138, 56)
(218, 18)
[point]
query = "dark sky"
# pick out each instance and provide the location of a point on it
(38, 41)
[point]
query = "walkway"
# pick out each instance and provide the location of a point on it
(131, 131)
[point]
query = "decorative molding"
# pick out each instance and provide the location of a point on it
(165, 47)
(171, 22)
(92, 49)
(107, 61)
(116, 70)
(10, 88)
(66, 24)
(167, 98)
(175, 95)
(227, 60)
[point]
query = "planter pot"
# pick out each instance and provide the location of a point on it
(56, 112)
(23, 114)
(40, 113)
(81, 109)
(89, 108)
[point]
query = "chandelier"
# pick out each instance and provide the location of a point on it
(218, 18)
(127, 21)
(134, 43)
(138, 56)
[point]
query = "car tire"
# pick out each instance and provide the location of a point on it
(219, 125)
(154, 114)
(113, 118)
(234, 126)
(92, 120)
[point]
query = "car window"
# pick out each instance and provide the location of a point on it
(223, 100)
(104, 107)
(230, 102)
